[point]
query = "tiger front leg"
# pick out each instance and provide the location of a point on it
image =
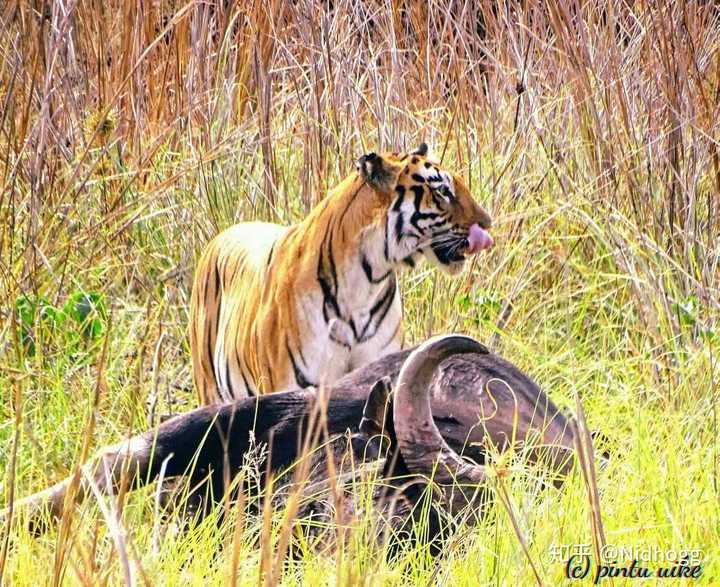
(337, 351)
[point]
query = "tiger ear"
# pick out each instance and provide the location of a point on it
(422, 150)
(378, 172)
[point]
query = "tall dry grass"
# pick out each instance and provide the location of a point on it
(130, 132)
(618, 102)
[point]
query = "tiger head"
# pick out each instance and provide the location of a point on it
(430, 212)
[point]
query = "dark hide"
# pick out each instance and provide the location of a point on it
(477, 399)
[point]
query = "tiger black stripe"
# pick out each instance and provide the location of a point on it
(437, 199)
(388, 304)
(229, 380)
(210, 345)
(270, 255)
(419, 191)
(399, 227)
(367, 268)
(351, 323)
(302, 381)
(417, 215)
(333, 268)
(386, 245)
(329, 292)
(249, 389)
(379, 311)
(397, 208)
(437, 178)
(436, 224)
(350, 203)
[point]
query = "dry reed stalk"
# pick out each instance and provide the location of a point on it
(586, 460)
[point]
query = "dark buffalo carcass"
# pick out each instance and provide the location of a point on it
(451, 398)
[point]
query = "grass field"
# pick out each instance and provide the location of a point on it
(130, 133)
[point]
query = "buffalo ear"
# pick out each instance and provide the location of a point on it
(376, 406)
(422, 150)
(378, 172)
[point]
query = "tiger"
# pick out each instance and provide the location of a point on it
(275, 308)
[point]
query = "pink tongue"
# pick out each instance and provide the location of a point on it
(479, 239)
